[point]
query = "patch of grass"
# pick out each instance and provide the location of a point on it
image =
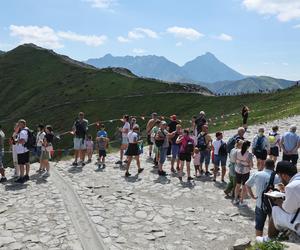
(270, 245)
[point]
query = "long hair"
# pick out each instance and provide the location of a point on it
(245, 147)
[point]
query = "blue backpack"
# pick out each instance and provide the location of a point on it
(201, 143)
(259, 144)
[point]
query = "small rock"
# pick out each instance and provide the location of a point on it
(241, 244)
(6, 240)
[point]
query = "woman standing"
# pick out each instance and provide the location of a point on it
(245, 114)
(244, 163)
(46, 151)
(133, 150)
(124, 144)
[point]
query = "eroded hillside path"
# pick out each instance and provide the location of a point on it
(141, 212)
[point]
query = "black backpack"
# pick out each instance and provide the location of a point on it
(30, 144)
(159, 143)
(223, 149)
(266, 203)
(231, 143)
(201, 143)
(80, 129)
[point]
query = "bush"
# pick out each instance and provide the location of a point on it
(270, 245)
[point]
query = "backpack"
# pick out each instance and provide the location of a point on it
(231, 143)
(160, 142)
(259, 144)
(30, 144)
(201, 143)
(223, 149)
(80, 129)
(272, 138)
(189, 147)
(266, 203)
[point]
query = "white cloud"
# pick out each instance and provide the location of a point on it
(296, 26)
(92, 40)
(42, 36)
(102, 4)
(284, 10)
(285, 64)
(139, 51)
(187, 33)
(224, 37)
(179, 44)
(138, 33)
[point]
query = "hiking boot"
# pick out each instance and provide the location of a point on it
(127, 174)
(236, 202)
(20, 180)
(75, 164)
(82, 164)
(3, 179)
(140, 170)
(103, 166)
(162, 173)
(26, 178)
(190, 178)
(118, 162)
(207, 173)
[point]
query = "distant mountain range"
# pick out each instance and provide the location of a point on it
(1, 52)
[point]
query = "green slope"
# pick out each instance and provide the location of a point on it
(41, 86)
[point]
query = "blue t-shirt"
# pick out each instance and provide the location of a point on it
(101, 133)
(290, 141)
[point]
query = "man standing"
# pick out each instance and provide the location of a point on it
(150, 125)
(22, 151)
(200, 121)
(290, 143)
(2, 170)
(204, 143)
(80, 129)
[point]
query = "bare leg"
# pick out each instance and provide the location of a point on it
(129, 159)
(27, 169)
(21, 170)
(272, 231)
(188, 169)
(2, 172)
(76, 155)
(237, 191)
(138, 163)
(223, 172)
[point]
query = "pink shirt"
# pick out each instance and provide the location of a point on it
(197, 159)
(89, 144)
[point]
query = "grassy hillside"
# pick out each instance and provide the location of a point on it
(41, 86)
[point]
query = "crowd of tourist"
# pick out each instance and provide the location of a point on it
(185, 147)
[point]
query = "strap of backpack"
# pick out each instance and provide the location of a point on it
(272, 178)
(295, 217)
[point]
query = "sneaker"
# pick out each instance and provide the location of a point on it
(180, 178)
(140, 170)
(127, 174)
(223, 181)
(236, 202)
(39, 171)
(75, 164)
(88, 161)
(190, 178)
(20, 180)
(82, 164)
(243, 204)
(125, 161)
(45, 174)
(118, 162)
(214, 180)
(103, 165)
(3, 179)
(207, 173)
(162, 173)
(26, 178)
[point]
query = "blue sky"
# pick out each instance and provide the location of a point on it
(255, 37)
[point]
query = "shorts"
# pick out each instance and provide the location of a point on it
(291, 158)
(38, 151)
(79, 144)
(260, 219)
(125, 140)
(23, 158)
(45, 155)
(102, 153)
(205, 157)
(149, 140)
(185, 157)
(220, 159)
(242, 178)
(261, 155)
(274, 151)
(1, 158)
(162, 154)
(175, 151)
(132, 150)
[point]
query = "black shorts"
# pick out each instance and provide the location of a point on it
(185, 157)
(149, 140)
(132, 150)
(242, 178)
(261, 155)
(274, 151)
(292, 158)
(102, 153)
(23, 158)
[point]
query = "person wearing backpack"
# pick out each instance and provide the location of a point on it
(261, 181)
(233, 140)
(186, 143)
(80, 128)
(149, 127)
(274, 140)
(204, 143)
(220, 155)
(175, 148)
(260, 148)
(22, 151)
(200, 122)
(154, 131)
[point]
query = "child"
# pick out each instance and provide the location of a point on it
(89, 148)
(102, 142)
(196, 157)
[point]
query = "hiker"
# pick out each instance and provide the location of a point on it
(155, 148)
(23, 151)
(274, 140)
(286, 213)
(133, 150)
(171, 128)
(260, 148)
(133, 122)
(175, 148)
(47, 149)
(80, 128)
(200, 121)
(194, 127)
(290, 142)
(102, 143)
(2, 170)
(39, 141)
(162, 142)
(149, 127)
(196, 161)
(245, 114)
(186, 143)
(220, 156)
(232, 175)
(124, 144)
(12, 142)
(233, 140)
(244, 163)
(204, 143)
(89, 148)
(261, 180)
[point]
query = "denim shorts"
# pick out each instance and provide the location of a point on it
(220, 159)
(175, 151)
(162, 154)
(205, 157)
(260, 219)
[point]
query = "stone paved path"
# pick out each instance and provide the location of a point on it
(141, 212)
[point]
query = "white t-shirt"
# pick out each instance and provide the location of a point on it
(20, 149)
(217, 144)
(40, 138)
(132, 137)
(126, 126)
